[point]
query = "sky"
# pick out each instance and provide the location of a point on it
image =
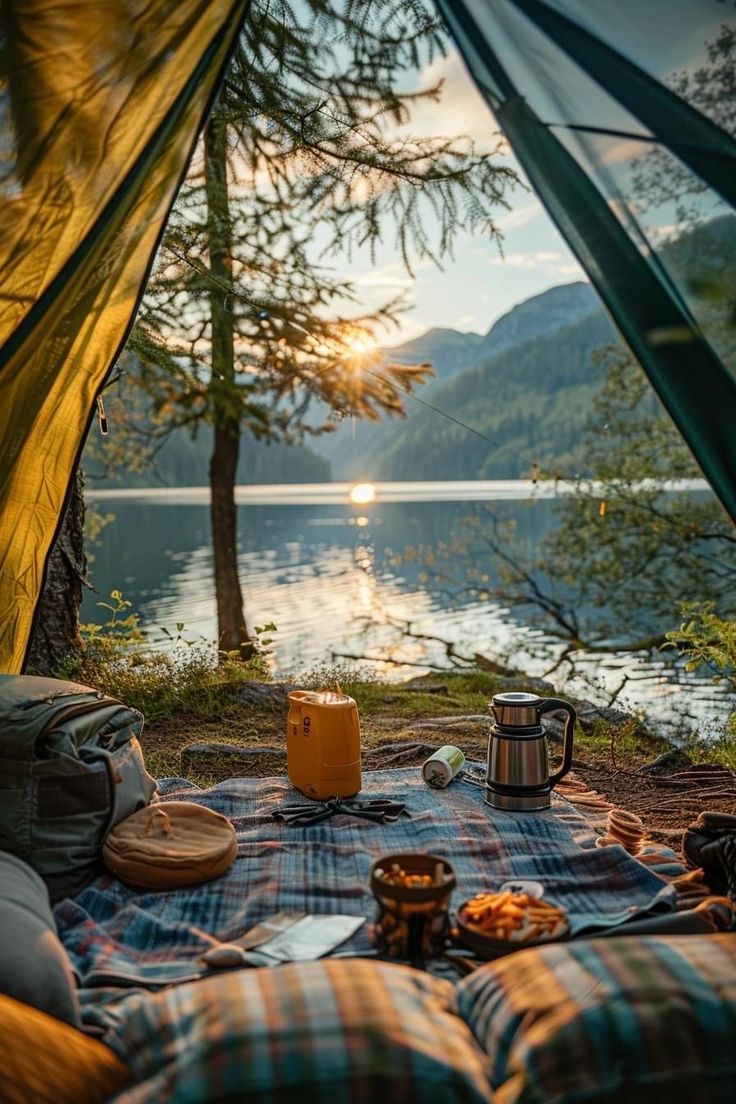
(481, 283)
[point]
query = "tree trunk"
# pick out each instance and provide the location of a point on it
(232, 631)
(231, 628)
(56, 646)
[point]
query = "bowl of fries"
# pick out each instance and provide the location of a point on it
(494, 924)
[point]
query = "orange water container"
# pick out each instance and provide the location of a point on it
(323, 744)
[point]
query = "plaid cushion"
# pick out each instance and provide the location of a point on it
(640, 1020)
(341, 1031)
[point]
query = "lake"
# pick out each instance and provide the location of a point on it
(325, 572)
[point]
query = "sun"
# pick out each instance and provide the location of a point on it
(362, 493)
(358, 346)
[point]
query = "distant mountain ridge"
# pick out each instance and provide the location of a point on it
(526, 384)
(184, 462)
(540, 316)
(531, 346)
(530, 401)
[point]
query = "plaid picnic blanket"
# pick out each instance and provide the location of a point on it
(115, 935)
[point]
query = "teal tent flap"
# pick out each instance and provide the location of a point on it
(637, 170)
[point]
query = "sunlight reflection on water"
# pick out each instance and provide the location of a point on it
(326, 578)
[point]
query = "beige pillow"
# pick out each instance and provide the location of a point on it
(44, 1061)
(174, 843)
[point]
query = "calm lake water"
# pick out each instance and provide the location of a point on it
(325, 572)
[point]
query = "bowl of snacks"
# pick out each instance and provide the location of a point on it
(413, 894)
(495, 924)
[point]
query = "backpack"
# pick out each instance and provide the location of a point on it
(71, 767)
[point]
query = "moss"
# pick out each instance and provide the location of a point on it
(628, 744)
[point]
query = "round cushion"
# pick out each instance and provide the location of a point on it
(175, 843)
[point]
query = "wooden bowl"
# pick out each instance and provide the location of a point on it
(413, 863)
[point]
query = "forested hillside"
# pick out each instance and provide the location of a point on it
(183, 461)
(533, 399)
(527, 384)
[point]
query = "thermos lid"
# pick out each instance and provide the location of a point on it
(321, 697)
(517, 699)
(516, 709)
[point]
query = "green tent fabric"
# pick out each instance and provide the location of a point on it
(625, 134)
(100, 105)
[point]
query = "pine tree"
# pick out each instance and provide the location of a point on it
(308, 153)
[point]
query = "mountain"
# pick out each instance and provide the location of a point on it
(531, 400)
(539, 316)
(349, 447)
(448, 351)
(527, 384)
(465, 365)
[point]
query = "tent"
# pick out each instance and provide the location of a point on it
(624, 163)
(101, 105)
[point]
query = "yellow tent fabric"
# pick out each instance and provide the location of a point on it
(100, 104)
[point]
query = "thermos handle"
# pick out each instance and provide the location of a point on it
(556, 705)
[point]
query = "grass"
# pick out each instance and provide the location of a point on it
(187, 698)
(185, 682)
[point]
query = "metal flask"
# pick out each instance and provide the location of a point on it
(518, 774)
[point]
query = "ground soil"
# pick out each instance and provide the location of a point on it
(667, 797)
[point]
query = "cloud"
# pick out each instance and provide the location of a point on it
(525, 260)
(519, 217)
(549, 260)
(461, 110)
(663, 233)
(387, 276)
(625, 150)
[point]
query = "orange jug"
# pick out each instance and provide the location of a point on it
(323, 744)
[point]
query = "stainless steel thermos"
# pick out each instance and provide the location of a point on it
(518, 775)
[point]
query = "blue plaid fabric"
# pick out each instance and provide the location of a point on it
(116, 935)
(640, 1020)
(329, 1032)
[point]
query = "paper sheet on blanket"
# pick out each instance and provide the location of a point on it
(307, 939)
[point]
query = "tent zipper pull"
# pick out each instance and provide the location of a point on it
(102, 416)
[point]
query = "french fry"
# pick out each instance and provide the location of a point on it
(517, 917)
(514, 911)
